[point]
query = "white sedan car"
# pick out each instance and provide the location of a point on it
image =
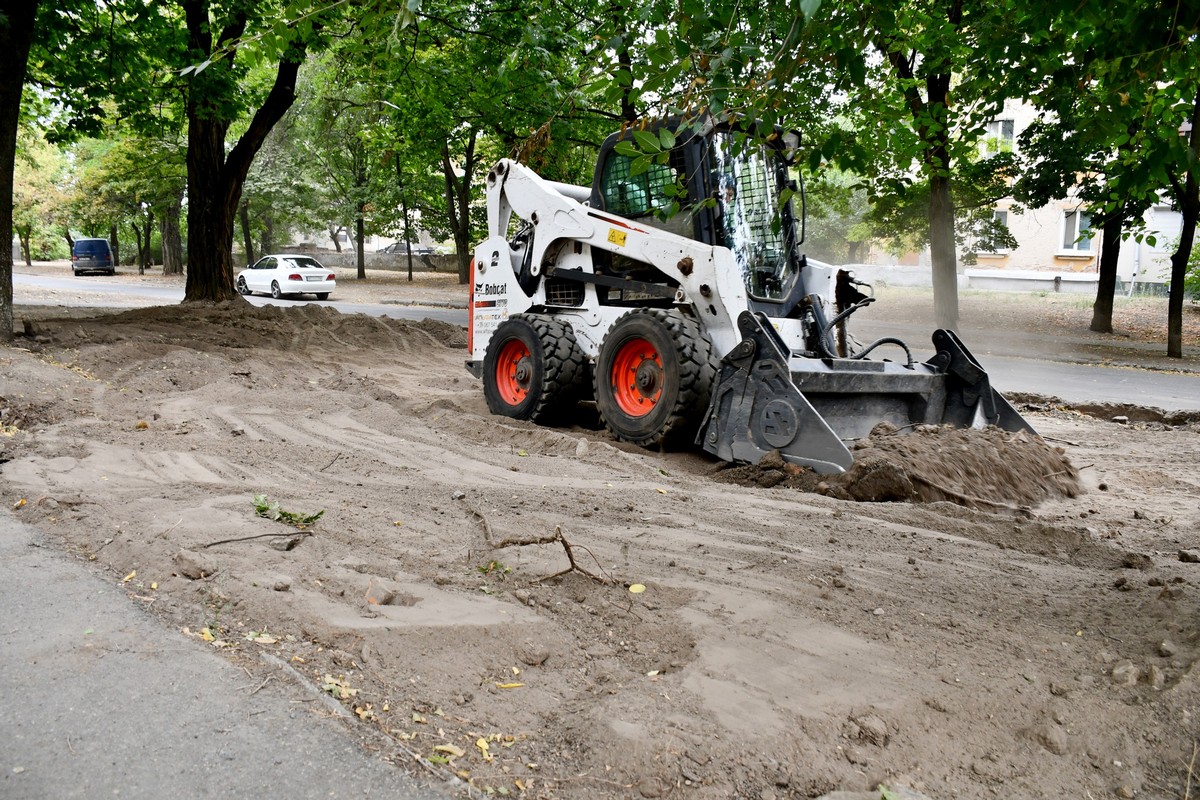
(284, 274)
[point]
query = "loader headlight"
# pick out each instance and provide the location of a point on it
(791, 144)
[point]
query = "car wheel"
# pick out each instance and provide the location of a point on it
(322, 295)
(275, 290)
(242, 288)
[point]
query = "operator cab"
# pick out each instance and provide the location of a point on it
(716, 186)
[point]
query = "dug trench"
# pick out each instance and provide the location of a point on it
(550, 613)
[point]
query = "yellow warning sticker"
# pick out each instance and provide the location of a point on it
(616, 237)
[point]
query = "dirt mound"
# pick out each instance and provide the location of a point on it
(987, 469)
(239, 325)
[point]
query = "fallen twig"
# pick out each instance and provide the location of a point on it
(567, 546)
(481, 520)
(258, 536)
(1068, 469)
(261, 685)
(331, 463)
(1061, 441)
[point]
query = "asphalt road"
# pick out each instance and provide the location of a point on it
(98, 699)
(121, 292)
(1059, 377)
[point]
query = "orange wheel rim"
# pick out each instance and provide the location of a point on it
(637, 377)
(514, 372)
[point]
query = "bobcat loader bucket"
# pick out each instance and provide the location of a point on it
(808, 409)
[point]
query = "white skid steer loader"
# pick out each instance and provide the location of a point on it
(703, 323)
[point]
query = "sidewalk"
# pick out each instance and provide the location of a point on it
(97, 699)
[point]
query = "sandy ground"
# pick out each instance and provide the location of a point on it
(787, 643)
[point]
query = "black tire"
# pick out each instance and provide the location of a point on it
(275, 290)
(654, 374)
(322, 295)
(533, 369)
(242, 288)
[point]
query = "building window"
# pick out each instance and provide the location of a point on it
(999, 224)
(1077, 232)
(999, 137)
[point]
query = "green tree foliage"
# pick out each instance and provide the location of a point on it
(1123, 86)
(836, 226)
(468, 83)
(38, 181)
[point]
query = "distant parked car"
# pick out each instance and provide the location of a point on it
(400, 248)
(286, 274)
(92, 255)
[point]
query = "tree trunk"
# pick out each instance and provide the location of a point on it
(268, 237)
(1106, 285)
(137, 235)
(16, 35)
(407, 232)
(215, 179)
(333, 236)
(1188, 201)
(247, 242)
(932, 119)
(147, 257)
(172, 239)
(458, 204)
(942, 254)
(25, 234)
(359, 225)
(1179, 264)
(114, 241)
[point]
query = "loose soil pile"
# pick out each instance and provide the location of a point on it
(705, 639)
(988, 469)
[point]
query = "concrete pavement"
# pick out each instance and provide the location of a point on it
(98, 699)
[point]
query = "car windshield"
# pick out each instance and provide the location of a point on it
(304, 262)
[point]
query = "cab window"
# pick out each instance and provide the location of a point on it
(635, 195)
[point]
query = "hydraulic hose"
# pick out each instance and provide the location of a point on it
(824, 337)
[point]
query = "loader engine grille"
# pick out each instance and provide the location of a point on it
(561, 292)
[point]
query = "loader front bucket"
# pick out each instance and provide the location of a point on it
(809, 409)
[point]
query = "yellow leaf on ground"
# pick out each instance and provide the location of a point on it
(154, 586)
(129, 577)
(451, 750)
(661, 491)
(18, 504)
(509, 685)
(636, 588)
(206, 635)
(516, 671)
